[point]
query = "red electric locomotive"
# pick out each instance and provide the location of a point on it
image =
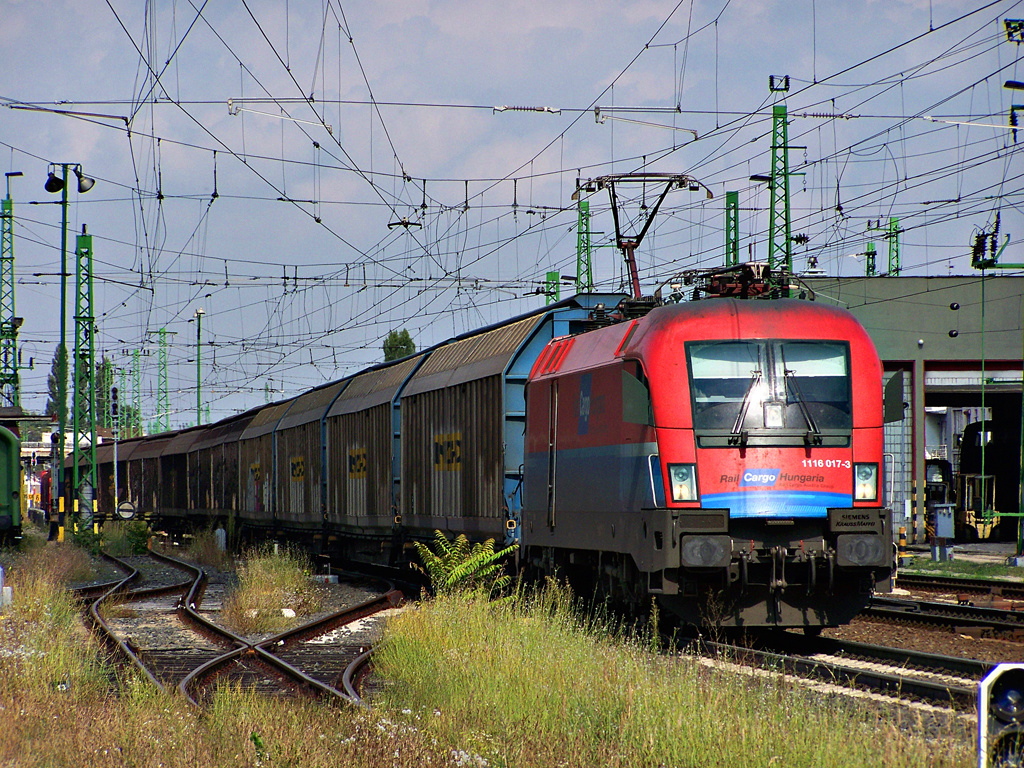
(724, 455)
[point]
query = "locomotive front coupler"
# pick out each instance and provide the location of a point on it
(778, 580)
(771, 566)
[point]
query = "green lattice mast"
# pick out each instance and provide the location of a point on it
(163, 400)
(780, 248)
(552, 293)
(892, 235)
(9, 385)
(732, 229)
(136, 395)
(85, 380)
(894, 247)
(584, 250)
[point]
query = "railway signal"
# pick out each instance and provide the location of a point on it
(1001, 717)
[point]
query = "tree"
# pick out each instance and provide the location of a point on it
(129, 422)
(32, 432)
(397, 345)
(104, 383)
(54, 407)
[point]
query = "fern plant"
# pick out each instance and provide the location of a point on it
(457, 566)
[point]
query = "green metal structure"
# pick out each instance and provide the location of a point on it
(9, 385)
(780, 248)
(584, 250)
(163, 400)
(894, 246)
(891, 232)
(732, 229)
(990, 241)
(552, 291)
(54, 184)
(136, 395)
(872, 259)
(84, 462)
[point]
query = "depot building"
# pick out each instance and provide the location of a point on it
(952, 351)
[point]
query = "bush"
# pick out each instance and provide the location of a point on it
(126, 538)
(203, 550)
(455, 566)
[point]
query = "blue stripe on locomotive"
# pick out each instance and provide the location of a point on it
(776, 504)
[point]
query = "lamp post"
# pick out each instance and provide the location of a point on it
(54, 184)
(199, 366)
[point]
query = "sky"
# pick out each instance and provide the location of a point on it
(314, 174)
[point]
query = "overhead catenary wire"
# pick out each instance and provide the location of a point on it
(452, 246)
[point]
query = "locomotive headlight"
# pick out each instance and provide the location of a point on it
(865, 482)
(683, 479)
(705, 551)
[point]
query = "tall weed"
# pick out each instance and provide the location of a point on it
(268, 583)
(31, 658)
(203, 550)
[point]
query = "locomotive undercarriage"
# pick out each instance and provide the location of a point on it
(761, 574)
(774, 586)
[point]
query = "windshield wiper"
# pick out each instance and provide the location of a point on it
(739, 434)
(813, 435)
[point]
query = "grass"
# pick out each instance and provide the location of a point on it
(966, 568)
(32, 660)
(67, 723)
(203, 550)
(64, 563)
(268, 583)
(529, 684)
(533, 684)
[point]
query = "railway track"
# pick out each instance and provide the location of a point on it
(952, 615)
(89, 592)
(995, 587)
(313, 658)
(909, 676)
(161, 631)
(144, 624)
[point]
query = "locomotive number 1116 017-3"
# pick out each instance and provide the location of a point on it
(827, 463)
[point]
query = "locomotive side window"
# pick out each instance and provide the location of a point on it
(636, 395)
(770, 387)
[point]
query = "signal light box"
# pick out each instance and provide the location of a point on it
(1001, 717)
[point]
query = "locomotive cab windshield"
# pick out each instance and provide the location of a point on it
(770, 392)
